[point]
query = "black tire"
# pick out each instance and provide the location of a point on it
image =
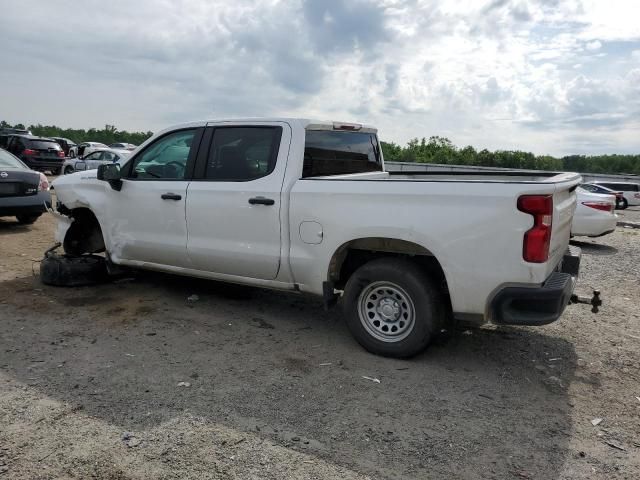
(68, 170)
(73, 271)
(403, 278)
(622, 204)
(27, 219)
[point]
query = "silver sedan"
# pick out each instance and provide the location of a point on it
(94, 160)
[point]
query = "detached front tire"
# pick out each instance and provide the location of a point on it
(393, 308)
(73, 271)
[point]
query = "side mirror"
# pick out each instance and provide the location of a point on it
(110, 172)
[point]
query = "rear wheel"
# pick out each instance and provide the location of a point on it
(27, 219)
(622, 204)
(392, 307)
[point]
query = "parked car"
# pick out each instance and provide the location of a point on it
(307, 206)
(4, 139)
(38, 153)
(621, 202)
(14, 131)
(630, 190)
(85, 148)
(65, 144)
(94, 160)
(123, 146)
(594, 215)
(23, 192)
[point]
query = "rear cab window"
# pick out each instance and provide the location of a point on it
(339, 152)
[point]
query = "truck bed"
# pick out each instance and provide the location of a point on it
(515, 176)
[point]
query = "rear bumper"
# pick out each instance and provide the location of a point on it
(522, 305)
(43, 164)
(594, 225)
(26, 205)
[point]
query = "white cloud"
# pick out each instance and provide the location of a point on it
(531, 74)
(595, 45)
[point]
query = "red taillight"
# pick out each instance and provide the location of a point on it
(604, 206)
(28, 151)
(44, 183)
(61, 154)
(535, 248)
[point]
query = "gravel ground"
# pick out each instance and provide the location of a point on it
(130, 380)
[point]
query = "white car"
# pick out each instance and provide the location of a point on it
(123, 146)
(630, 190)
(85, 148)
(594, 216)
(94, 160)
(307, 206)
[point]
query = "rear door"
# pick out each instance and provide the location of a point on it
(233, 203)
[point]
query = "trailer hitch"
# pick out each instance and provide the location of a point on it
(594, 301)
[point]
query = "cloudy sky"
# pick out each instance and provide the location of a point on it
(549, 76)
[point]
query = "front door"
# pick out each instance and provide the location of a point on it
(148, 214)
(233, 207)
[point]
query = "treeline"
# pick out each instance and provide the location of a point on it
(440, 150)
(109, 134)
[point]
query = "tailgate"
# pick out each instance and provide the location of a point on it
(564, 205)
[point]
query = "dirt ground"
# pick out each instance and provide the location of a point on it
(130, 380)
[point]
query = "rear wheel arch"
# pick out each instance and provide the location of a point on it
(353, 254)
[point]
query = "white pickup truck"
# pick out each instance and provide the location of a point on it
(307, 206)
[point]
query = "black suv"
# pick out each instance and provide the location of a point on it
(39, 153)
(65, 143)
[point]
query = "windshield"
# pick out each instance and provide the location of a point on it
(9, 161)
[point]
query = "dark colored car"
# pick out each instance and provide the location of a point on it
(65, 144)
(14, 131)
(621, 202)
(23, 192)
(4, 140)
(39, 153)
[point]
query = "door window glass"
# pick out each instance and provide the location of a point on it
(243, 153)
(166, 158)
